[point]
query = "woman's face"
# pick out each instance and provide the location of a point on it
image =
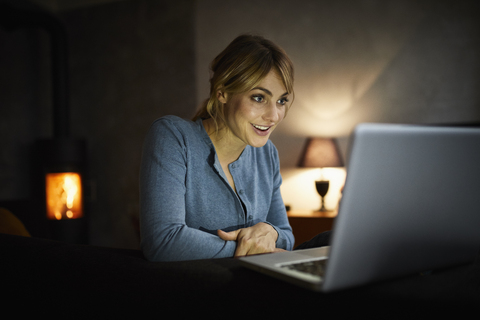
(252, 116)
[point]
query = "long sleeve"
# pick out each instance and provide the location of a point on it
(164, 231)
(277, 215)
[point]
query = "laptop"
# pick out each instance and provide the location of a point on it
(411, 203)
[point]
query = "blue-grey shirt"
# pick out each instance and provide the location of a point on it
(185, 196)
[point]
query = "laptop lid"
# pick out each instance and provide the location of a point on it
(411, 203)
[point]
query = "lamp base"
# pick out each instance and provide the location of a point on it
(322, 189)
(322, 208)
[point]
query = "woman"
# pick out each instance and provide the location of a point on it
(210, 188)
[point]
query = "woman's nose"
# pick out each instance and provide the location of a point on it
(271, 113)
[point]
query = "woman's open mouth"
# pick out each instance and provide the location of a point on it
(261, 130)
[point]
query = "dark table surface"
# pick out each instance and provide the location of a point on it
(82, 281)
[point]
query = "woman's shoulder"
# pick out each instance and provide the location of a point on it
(171, 120)
(175, 123)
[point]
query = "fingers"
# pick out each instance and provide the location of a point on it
(228, 236)
(256, 245)
(252, 240)
(243, 247)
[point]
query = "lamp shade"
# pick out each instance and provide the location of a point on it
(320, 153)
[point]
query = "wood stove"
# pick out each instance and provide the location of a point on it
(58, 163)
(61, 170)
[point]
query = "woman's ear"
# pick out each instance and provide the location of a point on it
(222, 96)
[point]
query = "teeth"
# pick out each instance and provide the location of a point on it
(260, 127)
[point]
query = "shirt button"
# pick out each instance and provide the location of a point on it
(240, 191)
(250, 217)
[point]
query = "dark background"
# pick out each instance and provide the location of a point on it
(131, 62)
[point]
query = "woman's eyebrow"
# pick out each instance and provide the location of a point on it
(268, 91)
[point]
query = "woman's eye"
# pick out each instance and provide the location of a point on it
(283, 101)
(258, 98)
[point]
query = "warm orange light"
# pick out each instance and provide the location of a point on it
(64, 195)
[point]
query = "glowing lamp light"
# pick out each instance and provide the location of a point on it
(64, 196)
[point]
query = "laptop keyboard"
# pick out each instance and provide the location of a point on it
(313, 267)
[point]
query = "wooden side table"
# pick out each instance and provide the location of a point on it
(307, 224)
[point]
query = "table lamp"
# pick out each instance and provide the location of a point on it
(321, 153)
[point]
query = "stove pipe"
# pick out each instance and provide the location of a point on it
(30, 16)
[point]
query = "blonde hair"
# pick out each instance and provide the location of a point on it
(239, 68)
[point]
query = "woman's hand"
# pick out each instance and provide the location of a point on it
(259, 238)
